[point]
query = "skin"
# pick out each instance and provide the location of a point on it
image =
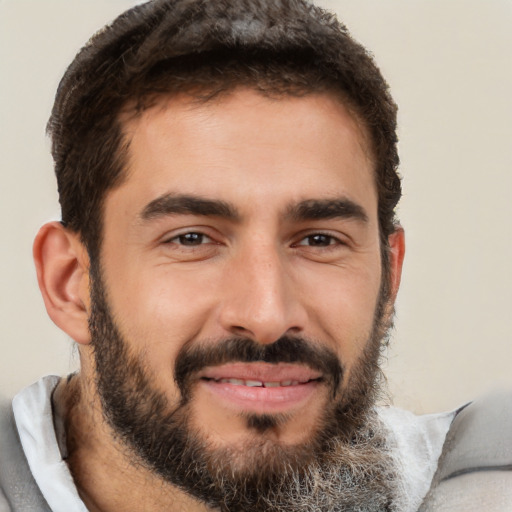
(261, 273)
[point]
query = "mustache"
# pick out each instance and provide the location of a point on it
(287, 349)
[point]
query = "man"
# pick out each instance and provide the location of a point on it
(227, 262)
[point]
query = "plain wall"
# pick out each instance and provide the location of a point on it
(449, 65)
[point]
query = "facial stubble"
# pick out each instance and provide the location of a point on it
(345, 465)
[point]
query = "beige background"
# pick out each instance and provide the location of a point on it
(449, 64)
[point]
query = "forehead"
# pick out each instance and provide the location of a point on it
(245, 147)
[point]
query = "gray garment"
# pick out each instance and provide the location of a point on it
(18, 489)
(475, 468)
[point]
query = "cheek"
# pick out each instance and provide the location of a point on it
(160, 309)
(342, 306)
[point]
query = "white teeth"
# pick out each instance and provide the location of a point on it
(254, 383)
(236, 382)
(259, 384)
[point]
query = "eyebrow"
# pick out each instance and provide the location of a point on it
(323, 209)
(169, 204)
(310, 209)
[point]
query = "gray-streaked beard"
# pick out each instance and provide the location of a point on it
(356, 476)
(346, 466)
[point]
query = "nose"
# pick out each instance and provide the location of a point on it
(262, 298)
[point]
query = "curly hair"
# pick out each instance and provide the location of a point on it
(206, 48)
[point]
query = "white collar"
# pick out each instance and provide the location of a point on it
(418, 443)
(34, 419)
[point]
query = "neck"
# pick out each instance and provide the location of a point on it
(109, 477)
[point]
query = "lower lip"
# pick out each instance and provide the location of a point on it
(260, 399)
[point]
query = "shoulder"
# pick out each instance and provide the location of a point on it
(475, 468)
(9, 443)
(8, 435)
(6, 430)
(18, 490)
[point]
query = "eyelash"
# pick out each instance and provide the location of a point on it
(200, 238)
(180, 239)
(332, 240)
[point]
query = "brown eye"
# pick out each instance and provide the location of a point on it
(318, 240)
(191, 239)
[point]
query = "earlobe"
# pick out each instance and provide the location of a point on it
(62, 266)
(396, 258)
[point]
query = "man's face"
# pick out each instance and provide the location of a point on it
(246, 224)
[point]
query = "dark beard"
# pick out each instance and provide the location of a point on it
(345, 466)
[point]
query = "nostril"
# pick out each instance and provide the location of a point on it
(239, 328)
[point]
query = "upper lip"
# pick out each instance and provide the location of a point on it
(260, 371)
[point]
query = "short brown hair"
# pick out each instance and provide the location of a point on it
(206, 48)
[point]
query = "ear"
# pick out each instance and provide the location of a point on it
(396, 258)
(62, 266)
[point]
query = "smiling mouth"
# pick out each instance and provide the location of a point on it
(262, 384)
(261, 387)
